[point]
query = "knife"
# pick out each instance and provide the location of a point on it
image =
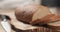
(5, 23)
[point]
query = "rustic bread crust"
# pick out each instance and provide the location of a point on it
(26, 13)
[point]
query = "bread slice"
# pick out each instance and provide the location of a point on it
(53, 22)
(30, 13)
(54, 25)
(47, 19)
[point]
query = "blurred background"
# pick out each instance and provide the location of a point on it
(10, 5)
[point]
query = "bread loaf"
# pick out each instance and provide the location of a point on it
(30, 13)
(37, 14)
